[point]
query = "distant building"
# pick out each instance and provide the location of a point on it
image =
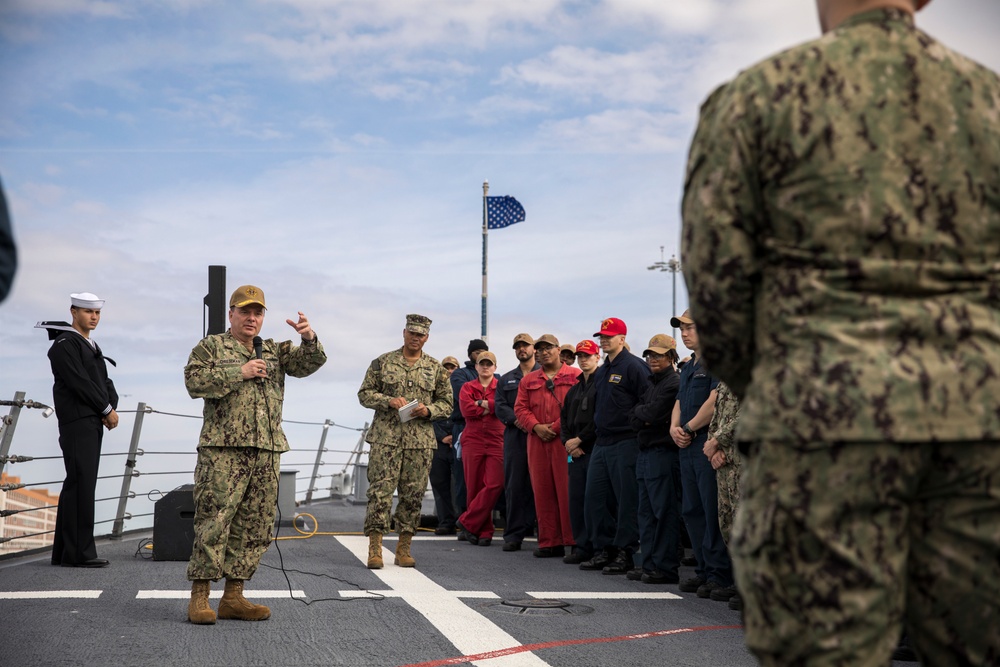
(35, 520)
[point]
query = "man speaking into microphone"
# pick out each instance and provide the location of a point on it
(242, 379)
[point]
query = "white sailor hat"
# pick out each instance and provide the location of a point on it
(86, 300)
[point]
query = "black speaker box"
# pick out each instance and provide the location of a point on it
(173, 524)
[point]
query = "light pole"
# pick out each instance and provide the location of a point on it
(673, 265)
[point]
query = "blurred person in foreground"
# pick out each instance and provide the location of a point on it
(841, 235)
(8, 249)
(578, 436)
(402, 443)
(242, 379)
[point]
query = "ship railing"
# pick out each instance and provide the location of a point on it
(327, 479)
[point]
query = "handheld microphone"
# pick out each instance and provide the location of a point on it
(258, 349)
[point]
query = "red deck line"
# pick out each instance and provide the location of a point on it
(567, 642)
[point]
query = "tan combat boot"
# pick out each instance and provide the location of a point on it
(199, 612)
(403, 557)
(233, 605)
(375, 551)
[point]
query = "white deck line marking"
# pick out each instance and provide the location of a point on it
(467, 629)
(593, 595)
(481, 595)
(183, 595)
(49, 595)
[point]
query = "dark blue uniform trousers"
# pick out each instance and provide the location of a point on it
(519, 497)
(612, 496)
(80, 441)
(657, 471)
(700, 509)
(444, 470)
(577, 497)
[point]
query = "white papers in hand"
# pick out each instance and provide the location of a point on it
(406, 412)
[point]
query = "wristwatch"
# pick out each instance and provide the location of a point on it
(687, 429)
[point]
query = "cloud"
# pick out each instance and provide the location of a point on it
(94, 8)
(233, 112)
(93, 112)
(669, 17)
(616, 131)
(635, 77)
(505, 107)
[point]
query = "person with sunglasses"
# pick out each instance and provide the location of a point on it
(539, 402)
(482, 451)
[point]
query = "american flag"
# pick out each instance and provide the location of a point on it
(503, 211)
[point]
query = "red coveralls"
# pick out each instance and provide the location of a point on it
(482, 457)
(538, 404)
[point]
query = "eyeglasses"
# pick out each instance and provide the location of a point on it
(544, 348)
(655, 356)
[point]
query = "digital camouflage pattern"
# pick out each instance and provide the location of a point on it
(723, 429)
(390, 377)
(828, 583)
(391, 467)
(841, 239)
(245, 413)
(236, 477)
(235, 496)
(401, 453)
(840, 245)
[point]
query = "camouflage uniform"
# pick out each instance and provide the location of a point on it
(236, 477)
(401, 452)
(841, 235)
(723, 429)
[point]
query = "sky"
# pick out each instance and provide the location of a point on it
(333, 153)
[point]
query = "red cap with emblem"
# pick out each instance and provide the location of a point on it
(612, 327)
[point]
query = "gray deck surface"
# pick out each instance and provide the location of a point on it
(418, 621)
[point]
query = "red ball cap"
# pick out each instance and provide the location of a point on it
(587, 347)
(612, 327)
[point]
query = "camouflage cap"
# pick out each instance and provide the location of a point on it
(676, 322)
(245, 295)
(450, 360)
(523, 338)
(549, 339)
(661, 344)
(418, 324)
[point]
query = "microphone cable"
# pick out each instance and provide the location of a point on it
(258, 349)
